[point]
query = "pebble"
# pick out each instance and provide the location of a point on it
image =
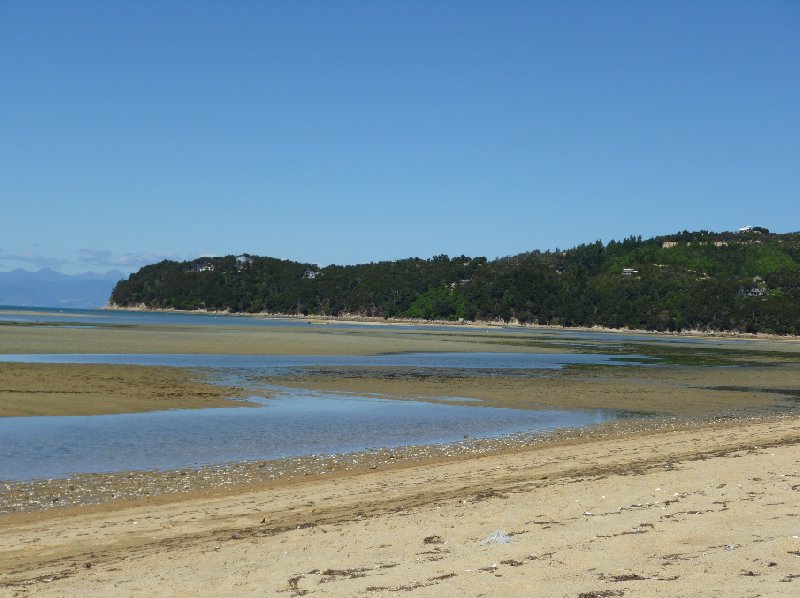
(99, 488)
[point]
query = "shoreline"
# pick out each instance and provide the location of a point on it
(701, 512)
(695, 497)
(90, 491)
(496, 324)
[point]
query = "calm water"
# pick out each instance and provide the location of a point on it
(90, 317)
(293, 423)
(48, 315)
(506, 361)
(289, 424)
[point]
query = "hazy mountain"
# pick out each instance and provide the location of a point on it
(48, 288)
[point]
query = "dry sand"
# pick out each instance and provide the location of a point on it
(703, 512)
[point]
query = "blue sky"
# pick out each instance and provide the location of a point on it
(346, 132)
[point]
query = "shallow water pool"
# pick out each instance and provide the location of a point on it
(292, 423)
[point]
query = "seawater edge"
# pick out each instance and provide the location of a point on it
(86, 490)
(494, 324)
(291, 422)
(46, 331)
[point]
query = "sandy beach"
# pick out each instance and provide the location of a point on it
(399, 299)
(702, 512)
(697, 497)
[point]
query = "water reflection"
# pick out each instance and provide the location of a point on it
(507, 361)
(293, 422)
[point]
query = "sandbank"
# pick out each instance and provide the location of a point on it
(664, 391)
(239, 340)
(93, 389)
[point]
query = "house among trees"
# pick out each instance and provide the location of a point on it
(752, 285)
(242, 261)
(752, 292)
(203, 267)
(754, 229)
(759, 289)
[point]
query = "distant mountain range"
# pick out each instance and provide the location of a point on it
(48, 288)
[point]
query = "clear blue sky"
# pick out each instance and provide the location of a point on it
(345, 132)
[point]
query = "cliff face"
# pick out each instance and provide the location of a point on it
(747, 281)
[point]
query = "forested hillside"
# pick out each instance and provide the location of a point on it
(746, 281)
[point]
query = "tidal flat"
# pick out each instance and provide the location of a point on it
(700, 475)
(651, 374)
(344, 374)
(311, 339)
(75, 389)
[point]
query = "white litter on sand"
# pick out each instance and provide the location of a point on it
(498, 537)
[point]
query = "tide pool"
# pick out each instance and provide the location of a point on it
(292, 423)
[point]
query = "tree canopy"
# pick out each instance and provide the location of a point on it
(747, 281)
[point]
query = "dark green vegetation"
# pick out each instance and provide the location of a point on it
(748, 282)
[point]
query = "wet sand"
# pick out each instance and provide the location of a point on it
(664, 391)
(239, 340)
(319, 338)
(94, 389)
(699, 512)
